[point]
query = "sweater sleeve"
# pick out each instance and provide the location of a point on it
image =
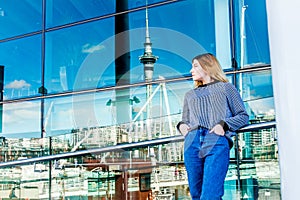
(239, 116)
(185, 114)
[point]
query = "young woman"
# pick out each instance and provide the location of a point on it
(212, 112)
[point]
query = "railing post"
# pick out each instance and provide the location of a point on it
(237, 155)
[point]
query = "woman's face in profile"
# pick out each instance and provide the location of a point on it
(198, 73)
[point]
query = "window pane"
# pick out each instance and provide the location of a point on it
(80, 57)
(74, 113)
(61, 12)
(176, 42)
(258, 153)
(90, 47)
(114, 107)
(22, 120)
(257, 92)
(22, 67)
(29, 181)
(139, 3)
(20, 17)
(251, 33)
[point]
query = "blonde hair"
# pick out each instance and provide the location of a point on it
(212, 66)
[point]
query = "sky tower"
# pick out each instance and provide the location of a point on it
(148, 59)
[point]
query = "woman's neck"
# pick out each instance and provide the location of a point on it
(207, 80)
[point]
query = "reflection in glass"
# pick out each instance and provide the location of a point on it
(74, 62)
(20, 17)
(67, 11)
(251, 31)
(257, 92)
(95, 114)
(22, 67)
(78, 112)
(22, 119)
(100, 174)
(81, 56)
(139, 3)
(25, 181)
(13, 148)
(259, 163)
(177, 43)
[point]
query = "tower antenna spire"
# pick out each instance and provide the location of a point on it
(148, 59)
(147, 25)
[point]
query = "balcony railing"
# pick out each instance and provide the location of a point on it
(124, 146)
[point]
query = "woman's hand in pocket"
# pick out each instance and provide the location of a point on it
(184, 129)
(218, 129)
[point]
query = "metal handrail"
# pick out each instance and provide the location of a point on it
(125, 146)
(258, 126)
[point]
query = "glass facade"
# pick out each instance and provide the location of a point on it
(79, 121)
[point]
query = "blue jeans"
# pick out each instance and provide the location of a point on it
(206, 158)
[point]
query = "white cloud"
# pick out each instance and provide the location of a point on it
(87, 48)
(17, 84)
(21, 116)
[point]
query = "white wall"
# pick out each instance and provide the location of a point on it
(284, 35)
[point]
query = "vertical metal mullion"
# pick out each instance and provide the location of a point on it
(233, 38)
(235, 67)
(42, 91)
(43, 46)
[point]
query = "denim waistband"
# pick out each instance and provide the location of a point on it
(197, 128)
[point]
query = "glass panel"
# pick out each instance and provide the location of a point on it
(20, 17)
(80, 57)
(22, 67)
(259, 164)
(98, 175)
(257, 93)
(140, 3)
(176, 42)
(83, 57)
(13, 149)
(230, 78)
(22, 119)
(61, 12)
(155, 170)
(68, 53)
(127, 110)
(25, 181)
(102, 174)
(251, 31)
(77, 113)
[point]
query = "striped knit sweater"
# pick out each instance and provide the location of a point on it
(214, 103)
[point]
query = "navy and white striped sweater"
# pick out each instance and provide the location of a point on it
(214, 103)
